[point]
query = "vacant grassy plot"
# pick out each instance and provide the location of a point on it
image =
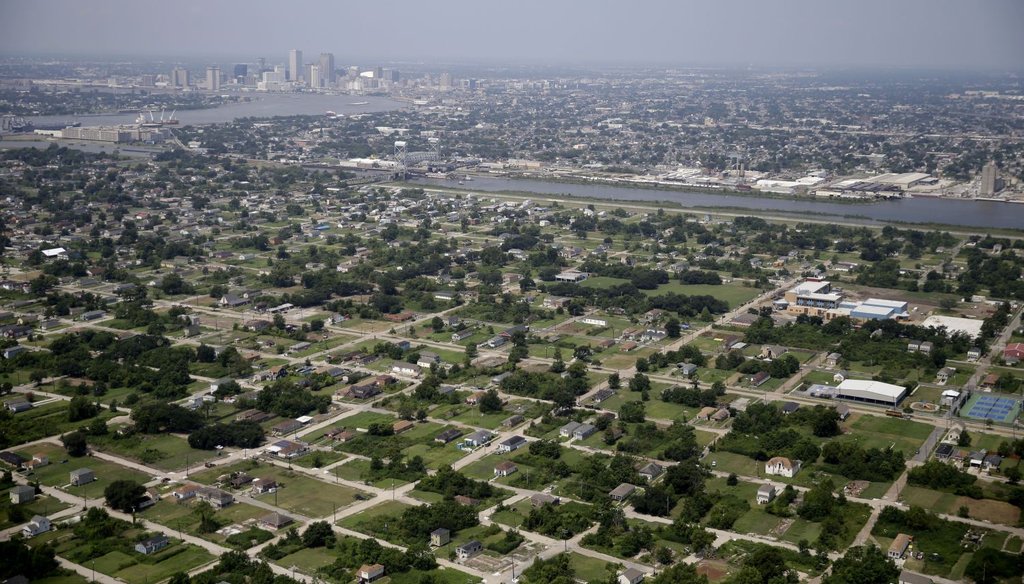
(188, 558)
(734, 294)
(162, 451)
(948, 503)
(304, 495)
(68, 577)
(46, 420)
(42, 505)
(885, 432)
(56, 474)
(181, 517)
(590, 569)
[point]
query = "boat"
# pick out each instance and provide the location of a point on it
(359, 103)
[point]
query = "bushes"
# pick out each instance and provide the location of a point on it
(240, 434)
(511, 541)
(944, 477)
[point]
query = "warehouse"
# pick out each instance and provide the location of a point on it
(873, 392)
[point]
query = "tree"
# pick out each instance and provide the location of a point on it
(318, 534)
(633, 411)
(124, 495)
(614, 381)
(557, 570)
(490, 402)
(74, 443)
(672, 328)
(81, 408)
(818, 502)
(678, 574)
(640, 382)
(862, 565)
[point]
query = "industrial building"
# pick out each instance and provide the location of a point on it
(872, 392)
(816, 298)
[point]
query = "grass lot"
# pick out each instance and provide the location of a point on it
(948, 503)
(56, 474)
(298, 493)
(162, 451)
(885, 432)
(42, 505)
(181, 517)
(45, 420)
(589, 569)
(365, 521)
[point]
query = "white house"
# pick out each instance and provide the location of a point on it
(39, 524)
(782, 466)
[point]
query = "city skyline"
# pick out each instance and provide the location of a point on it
(915, 33)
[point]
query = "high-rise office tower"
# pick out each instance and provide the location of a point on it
(180, 77)
(241, 70)
(391, 75)
(213, 78)
(327, 68)
(315, 80)
(294, 65)
(446, 80)
(990, 180)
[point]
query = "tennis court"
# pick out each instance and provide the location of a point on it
(991, 407)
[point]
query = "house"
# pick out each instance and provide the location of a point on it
(840, 376)
(686, 369)
(152, 544)
(765, 494)
(705, 413)
(12, 352)
(651, 471)
(513, 443)
(1013, 352)
(12, 459)
(288, 449)
(37, 525)
(82, 476)
(977, 458)
(991, 462)
(448, 435)
(275, 521)
(286, 427)
(790, 407)
(512, 421)
(944, 375)
(584, 431)
(427, 359)
(186, 492)
(622, 492)
(832, 360)
(232, 301)
(406, 369)
(771, 351)
(462, 335)
(363, 391)
(907, 577)
(468, 550)
(990, 380)
(571, 276)
(631, 576)
(541, 499)
(926, 347)
(505, 468)
(402, 426)
(721, 415)
(760, 378)
(38, 461)
(466, 501)
(18, 406)
(555, 302)
(22, 494)
(217, 498)
(843, 410)
(567, 430)
(782, 466)
(973, 354)
(440, 537)
(264, 485)
(478, 438)
(240, 479)
(370, 572)
(899, 546)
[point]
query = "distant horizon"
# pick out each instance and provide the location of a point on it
(939, 35)
(198, 59)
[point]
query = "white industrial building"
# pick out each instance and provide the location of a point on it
(953, 324)
(874, 392)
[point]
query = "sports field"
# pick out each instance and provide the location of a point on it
(1003, 410)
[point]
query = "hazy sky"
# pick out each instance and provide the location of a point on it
(955, 34)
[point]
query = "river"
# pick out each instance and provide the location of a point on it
(953, 212)
(262, 105)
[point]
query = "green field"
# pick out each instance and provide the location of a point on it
(56, 474)
(886, 432)
(161, 451)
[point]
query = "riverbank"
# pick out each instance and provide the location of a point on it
(653, 205)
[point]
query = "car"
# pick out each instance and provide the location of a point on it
(714, 463)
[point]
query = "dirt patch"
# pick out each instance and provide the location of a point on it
(715, 571)
(989, 510)
(855, 488)
(781, 528)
